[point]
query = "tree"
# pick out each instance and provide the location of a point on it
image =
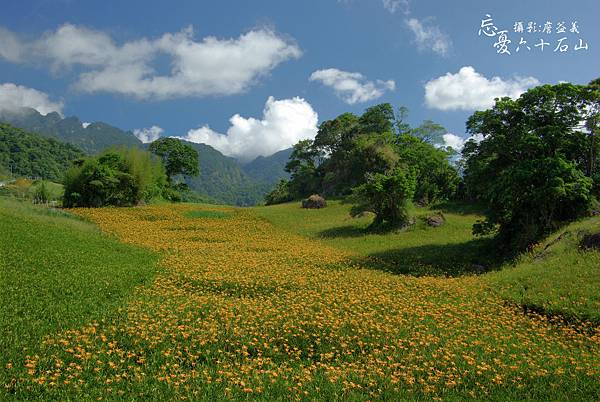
(334, 134)
(402, 126)
(530, 168)
(280, 194)
(430, 132)
(178, 158)
(302, 167)
(377, 119)
(349, 148)
(593, 128)
(120, 177)
(387, 196)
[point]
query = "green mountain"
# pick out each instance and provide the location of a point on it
(92, 138)
(222, 179)
(269, 169)
(32, 155)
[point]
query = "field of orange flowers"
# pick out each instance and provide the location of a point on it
(242, 309)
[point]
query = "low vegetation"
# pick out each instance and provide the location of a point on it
(57, 272)
(557, 277)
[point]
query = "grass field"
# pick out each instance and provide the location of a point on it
(279, 303)
(449, 250)
(58, 272)
(555, 278)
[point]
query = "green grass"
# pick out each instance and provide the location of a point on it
(559, 279)
(449, 250)
(58, 272)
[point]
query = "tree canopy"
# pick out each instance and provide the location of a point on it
(536, 166)
(31, 155)
(350, 149)
(178, 158)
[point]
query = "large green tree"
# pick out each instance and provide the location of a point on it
(350, 149)
(178, 158)
(532, 167)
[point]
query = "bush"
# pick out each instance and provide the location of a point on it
(315, 201)
(280, 194)
(387, 196)
(121, 177)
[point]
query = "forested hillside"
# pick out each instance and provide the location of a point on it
(269, 169)
(32, 155)
(93, 138)
(222, 179)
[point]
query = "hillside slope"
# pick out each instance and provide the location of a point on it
(269, 169)
(222, 178)
(558, 277)
(31, 155)
(92, 138)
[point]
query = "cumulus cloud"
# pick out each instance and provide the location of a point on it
(429, 36)
(147, 135)
(352, 87)
(211, 66)
(14, 97)
(453, 141)
(284, 123)
(469, 90)
(457, 143)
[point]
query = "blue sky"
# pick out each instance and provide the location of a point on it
(138, 64)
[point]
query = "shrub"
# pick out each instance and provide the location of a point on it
(120, 177)
(387, 196)
(280, 194)
(315, 201)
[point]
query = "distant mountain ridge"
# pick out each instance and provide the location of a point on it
(92, 139)
(269, 169)
(222, 178)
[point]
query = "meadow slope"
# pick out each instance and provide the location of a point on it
(244, 309)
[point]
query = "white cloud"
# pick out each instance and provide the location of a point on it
(457, 143)
(453, 141)
(13, 97)
(352, 87)
(284, 123)
(429, 36)
(397, 5)
(210, 66)
(85, 124)
(10, 46)
(469, 90)
(147, 135)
